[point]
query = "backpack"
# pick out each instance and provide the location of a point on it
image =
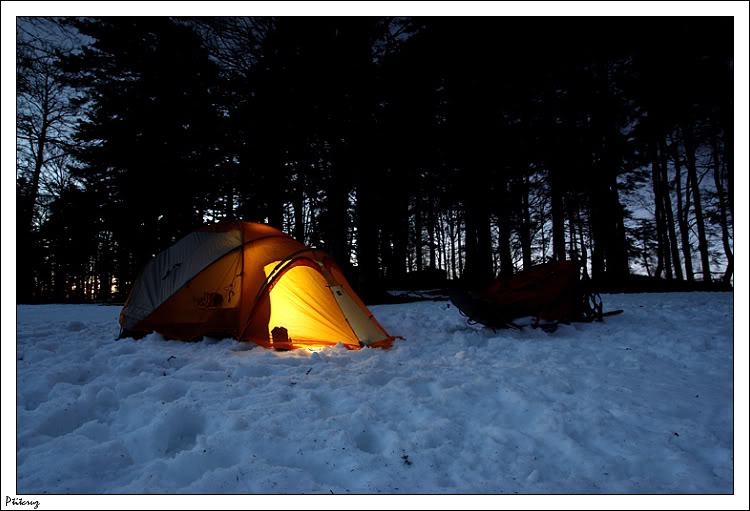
(554, 292)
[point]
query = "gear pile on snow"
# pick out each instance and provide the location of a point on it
(552, 292)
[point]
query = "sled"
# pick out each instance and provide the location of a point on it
(550, 294)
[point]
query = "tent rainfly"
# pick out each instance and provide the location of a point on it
(251, 282)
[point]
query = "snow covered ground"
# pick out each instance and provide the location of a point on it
(639, 404)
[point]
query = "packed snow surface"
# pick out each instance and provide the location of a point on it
(641, 403)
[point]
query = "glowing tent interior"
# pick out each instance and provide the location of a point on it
(251, 282)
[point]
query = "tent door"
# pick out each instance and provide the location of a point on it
(363, 327)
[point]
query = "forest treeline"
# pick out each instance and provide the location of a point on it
(413, 150)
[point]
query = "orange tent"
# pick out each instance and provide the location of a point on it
(252, 282)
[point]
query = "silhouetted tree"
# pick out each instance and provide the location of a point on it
(149, 144)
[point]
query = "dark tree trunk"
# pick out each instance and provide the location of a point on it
(299, 207)
(662, 248)
(558, 215)
(275, 203)
(643, 252)
(584, 252)
(682, 215)
(503, 223)
(617, 254)
(26, 248)
(693, 176)
(609, 252)
(669, 213)
(727, 125)
(618, 268)
(431, 229)
(722, 212)
(228, 200)
(542, 231)
(335, 223)
(367, 235)
(485, 272)
(38, 164)
(441, 251)
(597, 237)
(452, 234)
(459, 244)
(418, 239)
(478, 269)
(506, 259)
(573, 248)
(400, 226)
(469, 273)
(525, 233)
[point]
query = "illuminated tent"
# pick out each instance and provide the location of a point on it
(251, 282)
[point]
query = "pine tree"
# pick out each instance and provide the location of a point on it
(148, 145)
